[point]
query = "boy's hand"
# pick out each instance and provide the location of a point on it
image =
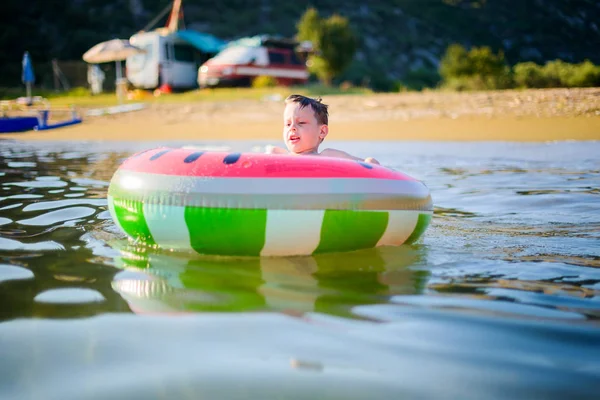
(372, 160)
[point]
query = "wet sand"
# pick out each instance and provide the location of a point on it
(531, 115)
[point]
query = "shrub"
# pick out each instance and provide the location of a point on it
(529, 75)
(557, 73)
(585, 74)
(476, 69)
(419, 79)
(455, 63)
(379, 82)
(487, 64)
(264, 82)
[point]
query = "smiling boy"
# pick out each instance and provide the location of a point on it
(305, 126)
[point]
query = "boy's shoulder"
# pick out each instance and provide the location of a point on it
(343, 154)
(335, 153)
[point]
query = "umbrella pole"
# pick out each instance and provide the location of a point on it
(119, 83)
(119, 73)
(28, 91)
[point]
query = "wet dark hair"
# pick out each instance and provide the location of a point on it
(320, 109)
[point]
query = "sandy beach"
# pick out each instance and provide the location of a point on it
(528, 115)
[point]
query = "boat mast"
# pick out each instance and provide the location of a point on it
(175, 16)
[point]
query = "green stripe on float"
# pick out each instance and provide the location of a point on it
(344, 230)
(226, 231)
(422, 224)
(130, 214)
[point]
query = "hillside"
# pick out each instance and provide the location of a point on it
(396, 36)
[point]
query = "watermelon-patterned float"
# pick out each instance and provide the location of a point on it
(252, 204)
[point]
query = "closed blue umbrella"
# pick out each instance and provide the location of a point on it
(28, 76)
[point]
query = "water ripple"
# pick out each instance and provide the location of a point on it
(53, 217)
(504, 284)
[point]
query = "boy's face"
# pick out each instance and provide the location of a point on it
(301, 131)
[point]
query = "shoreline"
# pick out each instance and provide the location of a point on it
(525, 116)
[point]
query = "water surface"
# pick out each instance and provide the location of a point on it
(499, 299)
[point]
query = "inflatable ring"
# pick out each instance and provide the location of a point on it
(253, 204)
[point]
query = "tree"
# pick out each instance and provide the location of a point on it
(478, 68)
(309, 27)
(333, 40)
(455, 63)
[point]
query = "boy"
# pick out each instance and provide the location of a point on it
(304, 128)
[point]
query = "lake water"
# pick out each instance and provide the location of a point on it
(499, 299)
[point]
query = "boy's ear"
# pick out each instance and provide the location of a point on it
(324, 130)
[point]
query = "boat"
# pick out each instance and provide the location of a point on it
(44, 125)
(17, 124)
(35, 119)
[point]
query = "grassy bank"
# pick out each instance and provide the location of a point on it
(81, 97)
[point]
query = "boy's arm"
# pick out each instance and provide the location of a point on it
(275, 150)
(343, 154)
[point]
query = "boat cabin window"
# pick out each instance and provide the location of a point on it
(184, 53)
(277, 57)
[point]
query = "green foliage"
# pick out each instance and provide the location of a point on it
(358, 73)
(563, 74)
(379, 82)
(557, 73)
(585, 74)
(264, 81)
(476, 69)
(480, 69)
(75, 92)
(13, 93)
(529, 75)
(419, 79)
(486, 63)
(337, 45)
(315, 90)
(333, 40)
(309, 27)
(369, 74)
(554, 73)
(455, 63)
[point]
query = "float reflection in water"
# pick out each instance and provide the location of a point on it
(158, 282)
